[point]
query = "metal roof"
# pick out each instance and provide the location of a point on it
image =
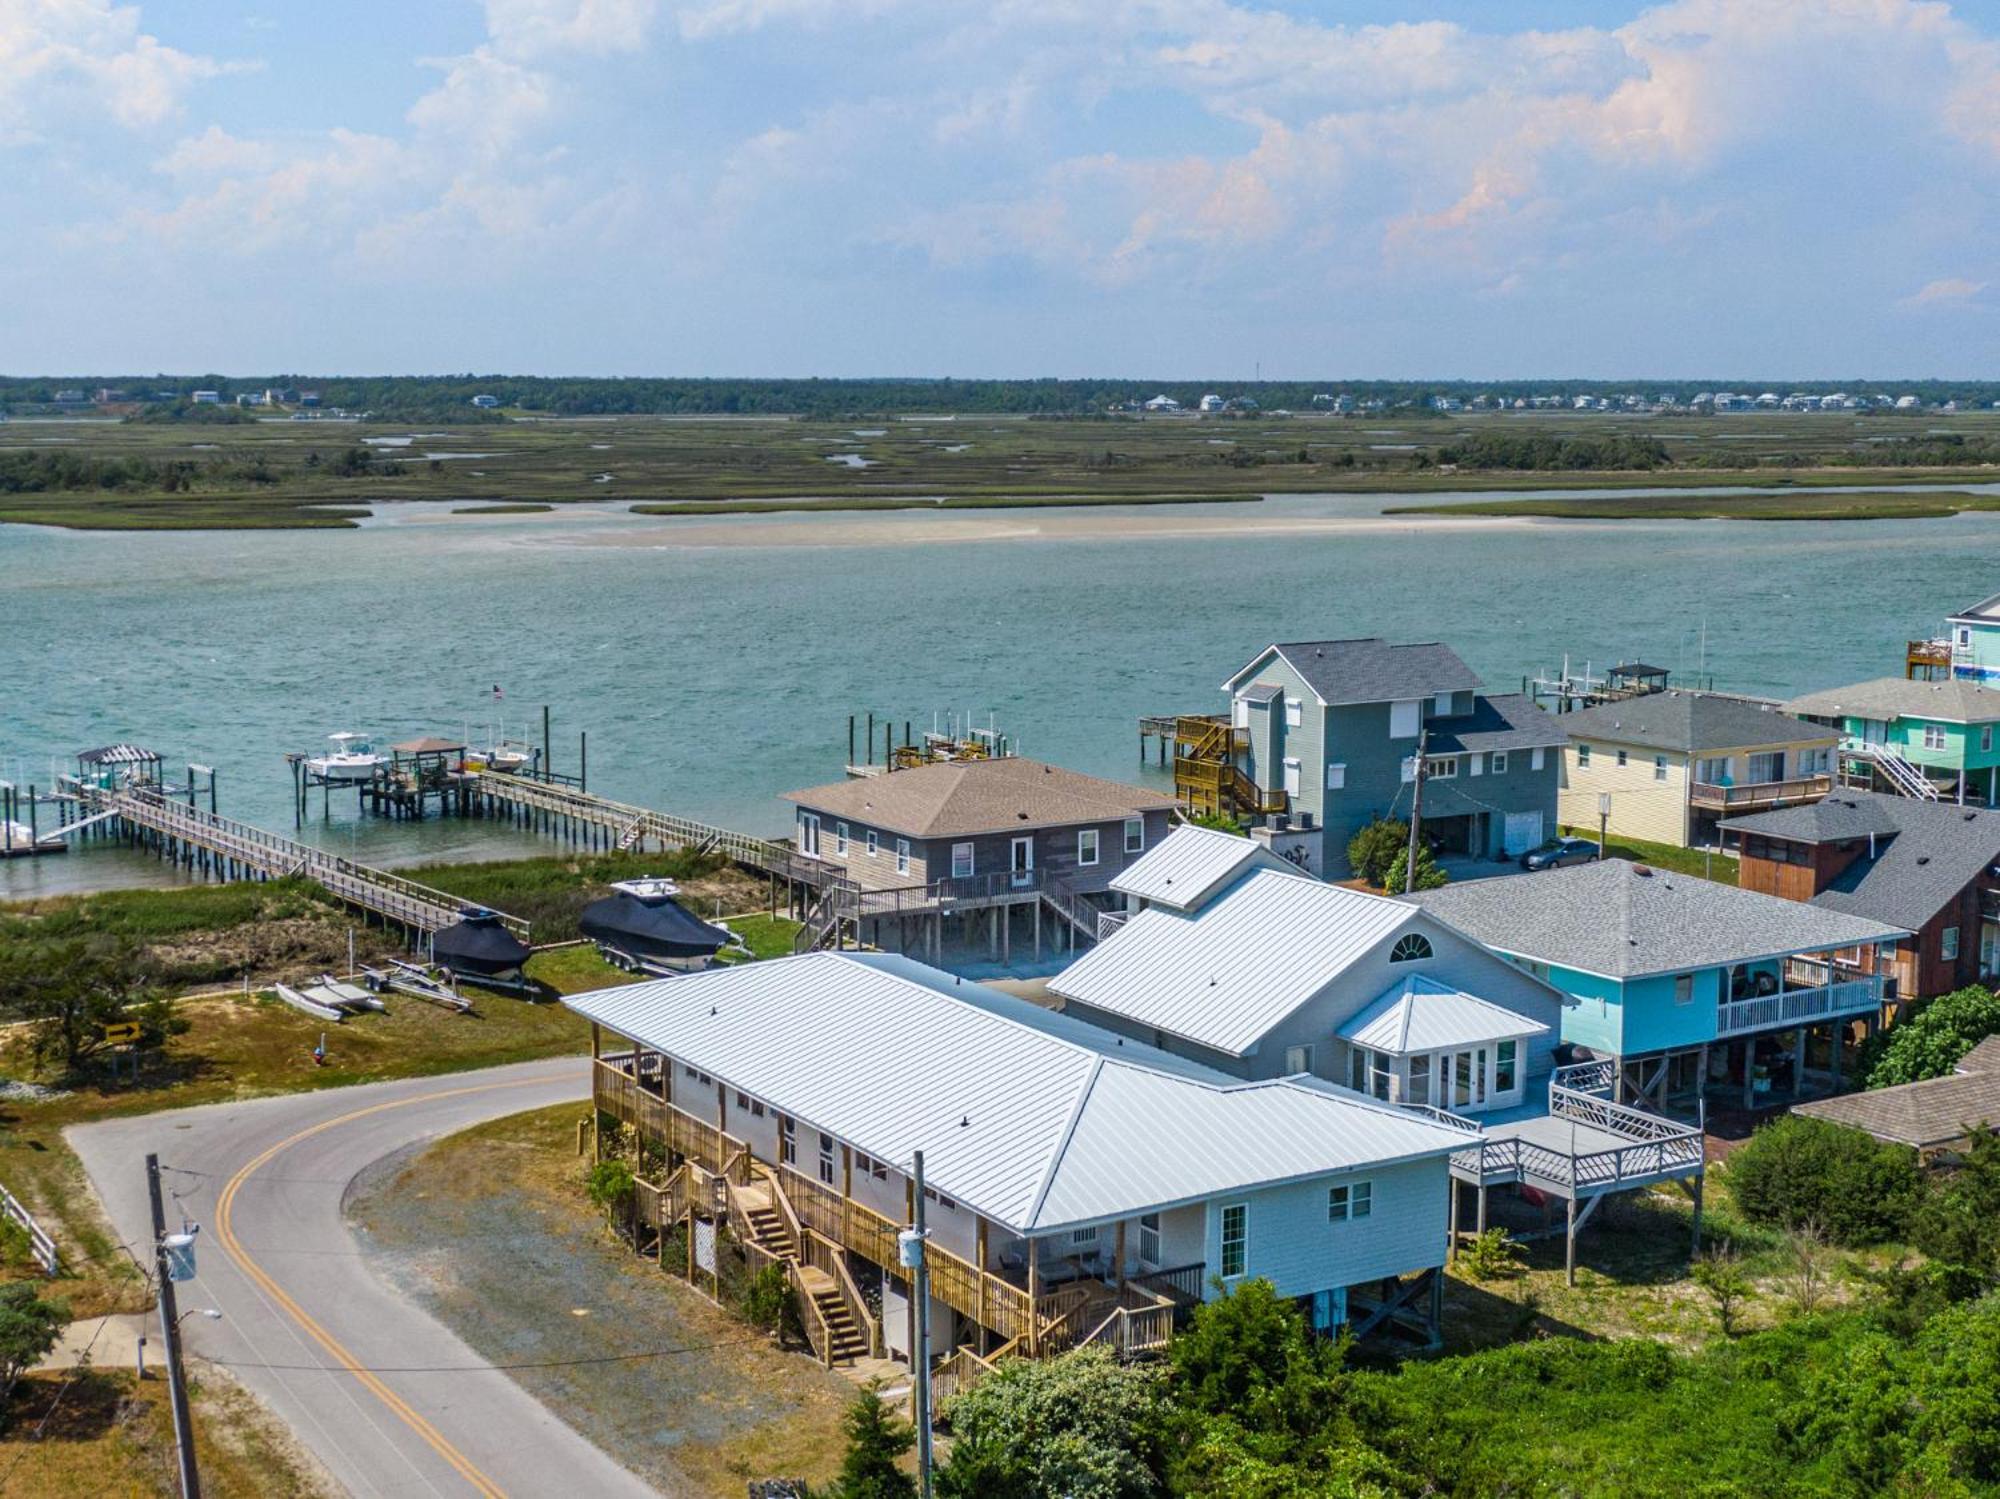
(1370, 670)
(1189, 864)
(1420, 1014)
(1224, 978)
(1027, 1116)
(1985, 609)
(1692, 722)
(960, 798)
(1622, 920)
(117, 754)
(1888, 698)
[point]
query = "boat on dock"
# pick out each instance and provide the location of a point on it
(352, 758)
(19, 841)
(506, 758)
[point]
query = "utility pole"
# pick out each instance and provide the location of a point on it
(170, 1332)
(1416, 813)
(920, 1369)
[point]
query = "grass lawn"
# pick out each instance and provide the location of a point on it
(533, 1265)
(1721, 868)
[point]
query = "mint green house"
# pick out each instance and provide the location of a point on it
(1975, 641)
(1936, 740)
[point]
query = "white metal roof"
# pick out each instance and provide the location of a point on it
(1420, 1014)
(1224, 977)
(1032, 1118)
(1190, 862)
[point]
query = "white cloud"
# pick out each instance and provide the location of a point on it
(63, 58)
(1947, 291)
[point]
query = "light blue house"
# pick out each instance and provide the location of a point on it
(1975, 641)
(1684, 983)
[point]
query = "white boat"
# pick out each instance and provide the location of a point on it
(504, 758)
(352, 758)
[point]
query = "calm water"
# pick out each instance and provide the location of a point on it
(712, 678)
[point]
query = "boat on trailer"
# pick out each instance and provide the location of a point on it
(412, 978)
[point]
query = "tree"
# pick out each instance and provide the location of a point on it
(29, 1328)
(1930, 1041)
(1958, 1224)
(70, 990)
(876, 1441)
(611, 1187)
(1083, 1426)
(1377, 847)
(1798, 1170)
(1429, 876)
(1723, 1278)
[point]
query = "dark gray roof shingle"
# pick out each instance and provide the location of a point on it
(1615, 918)
(1935, 1111)
(1374, 671)
(1694, 723)
(1508, 721)
(1887, 698)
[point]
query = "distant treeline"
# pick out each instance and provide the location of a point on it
(38, 472)
(1540, 452)
(439, 396)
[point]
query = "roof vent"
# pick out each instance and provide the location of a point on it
(712, 1012)
(1211, 981)
(1644, 870)
(1972, 817)
(1923, 858)
(965, 1121)
(1022, 815)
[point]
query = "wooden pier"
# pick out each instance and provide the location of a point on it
(224, 848)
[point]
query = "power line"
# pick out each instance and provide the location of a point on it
(550, 1363)
(76, 1372)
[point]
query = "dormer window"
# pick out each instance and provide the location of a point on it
(1411, 947)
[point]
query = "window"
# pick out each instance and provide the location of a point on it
(941, 1200)
(1441, 705)
(902, 856)
(1503, 1066)
(1659, 767)
(1336, 778)
(1683, 988)
(743, 1101)
(1355, 1200)
(826, 1159)
(1713, 771)
(874, 842)
(809, 834)
(1622, 758)
(1149, 1238)
(1933, 736)
(756, 1108)
(1295, 714)
(1765, 767)
(1403, 720)
(1086, 846)
(1965, 635)
(1536, 759)
(1291, 778)
(1235, 1240)
(840, 838)
(1135, 834)
(1298, 1059)
(1083, 1236)
(1411, 947)
(690, 1069)
(1442, 768)
(788, 1141)
(1948, 944)
(1985, 737)
(1239, 712)
(1498, 764)
(1357, 1069)
(1475, 765)
(961, 861)
(1583, 756)
(1420, 1080)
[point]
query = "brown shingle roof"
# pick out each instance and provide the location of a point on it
(958, 799)
(1924, 1114)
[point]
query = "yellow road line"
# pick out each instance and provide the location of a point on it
(396, 1404)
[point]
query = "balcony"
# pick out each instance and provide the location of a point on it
(1848, 996)
(1757, 796)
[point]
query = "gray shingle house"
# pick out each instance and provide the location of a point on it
(1334, 726)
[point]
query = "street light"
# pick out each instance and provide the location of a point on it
(1603, 821)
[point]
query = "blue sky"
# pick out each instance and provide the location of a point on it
(1169, 188)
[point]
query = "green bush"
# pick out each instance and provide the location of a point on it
(761, 1299)
(1799, 1172)
(1429, 876)
(1376, 848)
(1930, 1041)
(610, 1187)
(1083, 1426)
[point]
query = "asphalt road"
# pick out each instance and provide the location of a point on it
(390, 1400)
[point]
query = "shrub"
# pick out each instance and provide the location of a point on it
(1376, 848)
(1721, 1275)
(761, 1300)
(610, 1186)
(1429, 876)
(876, 1441)
(1932, 1039)
(1084, 1426)
(29, 1328)
(1798, 1172)
(1491, 1255)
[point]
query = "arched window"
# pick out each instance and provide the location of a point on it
(1411, 947)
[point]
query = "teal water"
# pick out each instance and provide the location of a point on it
(712, 677)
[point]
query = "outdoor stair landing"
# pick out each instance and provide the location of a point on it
(849, 1341)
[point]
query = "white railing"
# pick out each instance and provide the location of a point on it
(39, 1242)
(1853, 996)
(1110, 921)
(1586, 1077)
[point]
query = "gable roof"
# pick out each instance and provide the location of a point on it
(1370, 670)
(1926, 853)
(1506, 721)
(1225, 977)
(1621, 920)
(964, 797)
(1691, 722)
(1419, 1014)
(1957, 700)
(1931, 1112)
(1030, 1117)
(1985, 609)
(1188, 865)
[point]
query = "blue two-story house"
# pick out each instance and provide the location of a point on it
(1688, 985)
(1330, 729)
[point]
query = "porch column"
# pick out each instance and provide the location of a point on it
(1798, 1061)
(1840, 1032)
(1479, 1218)
(1569, 1240)
(596, 1041)
(1034, 1298)
(985, 1317)
(1451, 1224)
(1038, 931)
(1120, 1251)
(1749, 1073)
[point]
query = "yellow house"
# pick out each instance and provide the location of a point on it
(1676, 763)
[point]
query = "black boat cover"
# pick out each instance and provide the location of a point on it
(478, 944)
(649, 927)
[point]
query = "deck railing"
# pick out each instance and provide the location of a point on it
(1760, 793)
(619, 1094)
(1853, 996)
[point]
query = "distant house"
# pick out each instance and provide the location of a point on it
(206, 398)
(486, 403)
(1211, 403)
(1931, 867)
(1684, 983)
(309, 399)
(1933, 1116)
(71, 398)
(1163, 403)
(1326, 733)
(1078, 1186)
(1675, 763)
(1922, 739)
(978, 853)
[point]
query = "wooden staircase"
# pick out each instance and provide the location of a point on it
(838, 1323)
(846, 1340)
(1207, 779)
(768, 1229)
